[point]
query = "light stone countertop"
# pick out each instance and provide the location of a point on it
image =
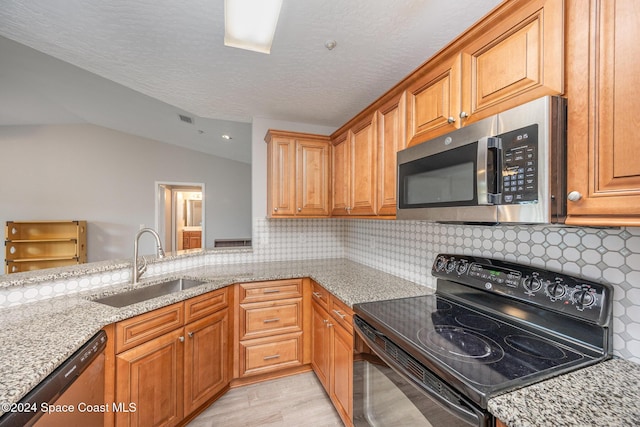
(37, 337)
(605, 394)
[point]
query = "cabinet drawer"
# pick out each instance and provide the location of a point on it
(272, 290)
(266, 354)
(139, 329)
(341, 313)
(203, 305)
(269, 318)
(320, 295)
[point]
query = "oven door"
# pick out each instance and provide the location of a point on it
(390, 388)
(451, 178)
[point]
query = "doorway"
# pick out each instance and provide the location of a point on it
(180, 215)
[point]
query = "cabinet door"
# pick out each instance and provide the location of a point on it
(340, 173)
(150, 377)
(515, 60)
(320, 344)
(281, 177)
(312, 178)
(602, 86)
(341, 373)
(433, 102)
(206, 368)
(363, 168)
(391, 139)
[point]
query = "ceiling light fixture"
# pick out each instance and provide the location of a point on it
(251, 24)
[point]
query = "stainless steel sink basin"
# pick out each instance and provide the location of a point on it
(142, 294)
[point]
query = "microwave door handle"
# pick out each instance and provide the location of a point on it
(489, 170)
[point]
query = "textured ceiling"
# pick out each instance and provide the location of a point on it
(173, 52)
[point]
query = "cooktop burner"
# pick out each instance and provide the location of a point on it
(460, 344)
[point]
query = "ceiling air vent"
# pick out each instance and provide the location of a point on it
(186, 119)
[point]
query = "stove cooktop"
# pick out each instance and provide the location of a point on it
(480, 354)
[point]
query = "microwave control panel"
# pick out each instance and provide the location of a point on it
(520, 165)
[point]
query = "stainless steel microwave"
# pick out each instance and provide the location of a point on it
(507, 168)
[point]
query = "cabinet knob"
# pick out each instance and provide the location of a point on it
(299, 209)
(190, 334)
(275, 209)
(574, 196)
(463, 115)
(181, 339)
(451, 119)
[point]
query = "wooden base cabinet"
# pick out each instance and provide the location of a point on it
(171, 361)
(270, 331)
(332, 350)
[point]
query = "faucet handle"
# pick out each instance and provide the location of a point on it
(143, 267)
(161, 253)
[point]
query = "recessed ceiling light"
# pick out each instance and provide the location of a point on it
(225, 136)
(251, 24)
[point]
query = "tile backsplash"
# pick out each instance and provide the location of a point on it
(407, 249)
(612, 255)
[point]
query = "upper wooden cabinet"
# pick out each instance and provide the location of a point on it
(297, 174)
(512, 57)
(354, 166)
(603, 59)
(391, 139)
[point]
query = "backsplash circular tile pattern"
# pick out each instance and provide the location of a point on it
(407, 249)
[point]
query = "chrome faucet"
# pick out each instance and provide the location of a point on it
(139, 271)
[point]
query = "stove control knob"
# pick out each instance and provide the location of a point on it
(583, 298)
(440, 263)
(556, 290)
(451, 265)
(532, 284)
(462, 268)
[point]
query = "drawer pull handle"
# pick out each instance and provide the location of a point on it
(342, 316)
(317, 294)
(275, 319)
(271, 291)
(275, 356)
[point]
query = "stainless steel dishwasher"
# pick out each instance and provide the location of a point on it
(72, 395)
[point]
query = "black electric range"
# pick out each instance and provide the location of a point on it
(493, 326)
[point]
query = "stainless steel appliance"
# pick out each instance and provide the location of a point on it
(508, 168)
(491, 327)
(72, 395)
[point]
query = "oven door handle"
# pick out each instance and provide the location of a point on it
(467, 415)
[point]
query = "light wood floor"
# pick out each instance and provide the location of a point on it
(298, 400)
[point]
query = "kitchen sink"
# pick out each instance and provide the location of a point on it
(133, 296)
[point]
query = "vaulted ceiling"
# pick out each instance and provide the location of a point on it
(134, 65)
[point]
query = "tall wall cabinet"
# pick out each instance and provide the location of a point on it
(33, 245)
(603, 59)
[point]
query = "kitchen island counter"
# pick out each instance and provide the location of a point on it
(37, 337)
(605, 394)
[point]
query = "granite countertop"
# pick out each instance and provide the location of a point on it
(37, 337)
(605, 394)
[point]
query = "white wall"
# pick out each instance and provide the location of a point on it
(106, 177)
(259, 129)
